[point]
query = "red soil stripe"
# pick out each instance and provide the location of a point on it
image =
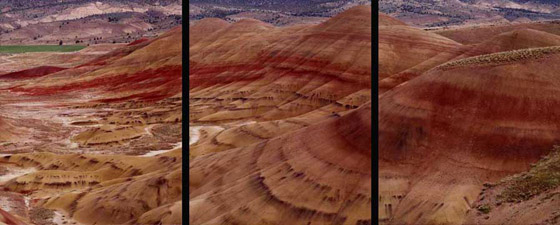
(32, 73)
(170, 77)
(10, 219)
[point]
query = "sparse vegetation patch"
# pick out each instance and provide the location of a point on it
(484, 209)
(502, 57)
(544, 176)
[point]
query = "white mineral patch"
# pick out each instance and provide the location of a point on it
(14, 172)
(6, 204)
(157, 152)
(194, 134)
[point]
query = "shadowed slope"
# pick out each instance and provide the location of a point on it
(443, 134)
(320, 174)
(283, 123)
(32, 73)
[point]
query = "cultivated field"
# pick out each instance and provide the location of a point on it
(40, 48)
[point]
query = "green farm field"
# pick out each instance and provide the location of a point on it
(40, 48)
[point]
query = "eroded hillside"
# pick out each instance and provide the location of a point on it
(467, 113)
(95, 143)
(282, 117)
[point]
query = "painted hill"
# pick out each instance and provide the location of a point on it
(478, 34)
(91, 142)
(204, 28)
(462, 124)
(406, 52)
(514, 40)
(120, 76)
(386, 20)
(256, 91)
(278, 56)
(286, 180)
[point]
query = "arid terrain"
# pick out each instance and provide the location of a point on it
(468, 124)
(93, 136)
(280, 121)
(278, 13)
(85, 21)
(444, 13)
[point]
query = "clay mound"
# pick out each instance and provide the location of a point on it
(386, 20)
(119, 203)
(205, 27)
(406, 52)
(127, 50)
(283, 103)
(514, 40)
(479, 34)
(114, 54)
(324, 179)
(280, 73)
(224, 45)
(455, 127)
(354, 20)
(32, 73)
(85, 183)
(166, 214)
(125, 103)
(108, 135)
(147, 71)
(221, 138)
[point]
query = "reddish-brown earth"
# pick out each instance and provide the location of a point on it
(406, 52)
(282, 117)
(484, 113)
(32, 73)
(87, 144)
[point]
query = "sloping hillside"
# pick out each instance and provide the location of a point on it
(87, 144)
(282, 117)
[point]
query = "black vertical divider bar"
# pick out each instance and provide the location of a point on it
(185, 115)
(374, 112)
